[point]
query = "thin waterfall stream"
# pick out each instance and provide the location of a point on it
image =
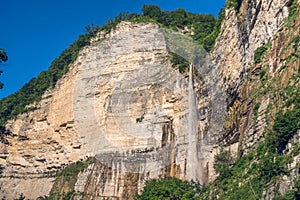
(192, 128)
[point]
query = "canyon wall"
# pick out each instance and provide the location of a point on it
(122, 104)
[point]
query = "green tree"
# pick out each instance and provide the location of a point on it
(3, 58)
(32, 91)
(152, 11)
(169, 188)
(285, 127)
(222, 163)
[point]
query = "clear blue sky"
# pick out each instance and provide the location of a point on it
(35, 32)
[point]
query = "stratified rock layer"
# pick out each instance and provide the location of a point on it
(123, 104)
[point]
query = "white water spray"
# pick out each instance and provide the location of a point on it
(192, 127)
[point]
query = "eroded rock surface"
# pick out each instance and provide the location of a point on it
(123, 104)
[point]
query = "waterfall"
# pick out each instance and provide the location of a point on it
(192, 128)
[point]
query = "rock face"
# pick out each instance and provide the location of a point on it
(254, 24)
(42, 142)
(123, 104)
(243, 31)
(137, 122)
(259, 89)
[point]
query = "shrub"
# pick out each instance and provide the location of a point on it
(169, 188)
(255, 109)
(285, 127)
(236, 4)
(262, 74)
(179, 62)
(259, 53)
(222, 163)
(32, 91)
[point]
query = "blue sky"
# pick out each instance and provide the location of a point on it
(35, 32)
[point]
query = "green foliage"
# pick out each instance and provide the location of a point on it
(259, 53)
(32, 91)
(255, 109)
(3, 58)
(256, 170)
(293, 12)
(73, 169)
(285, 127)
(153, 12)
(205, 27)
(175, 19)
(69, 195)
(297, 188)
(179, 62)
(209, 40)
(169, 188)
(63, 187)
(222, 163)
(290, 195)
(247, 178)
(142, 19)
(262, 74)
(270, 166)
(236, 4)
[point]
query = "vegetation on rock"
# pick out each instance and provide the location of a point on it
(179, 62)
(236, 4)
(222, 163)
(202, 27)
(63, 187)
(261, 171)
(169, 188)
(259, 53)
(32, 91)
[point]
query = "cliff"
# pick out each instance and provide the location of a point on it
(123, 115)
(262, 79)
(122, 103)
(247, 80)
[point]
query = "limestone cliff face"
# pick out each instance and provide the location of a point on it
(243, 31)
(122, 103)
(255, 24)
(42, 142)
(258, 90)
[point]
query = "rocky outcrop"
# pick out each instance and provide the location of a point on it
(42, 142)
(243, 31)
(254, 100)
(122, 103)
(264, 92)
